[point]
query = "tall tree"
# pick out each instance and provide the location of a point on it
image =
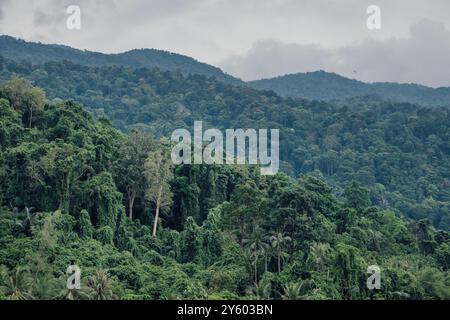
(279, 241)
(133, 154)
(190, 241)
(357, 196)
(85, 225)
(159, 174)
(257, 246)
(24, 97)
(104, 201)
(61, 166)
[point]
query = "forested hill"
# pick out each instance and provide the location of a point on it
(320, 85)
(68, 184)
(326, 86)
(400, 151)
(38, 53)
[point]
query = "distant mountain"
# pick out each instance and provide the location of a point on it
(326, 86)
(38, 53)
(318, 85)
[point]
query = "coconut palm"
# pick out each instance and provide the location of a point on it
(74, 294)
(261, 291)
(279, 241)
(26, 225)
(292, 291)
(84, 293)
(101, 284)
(17, 284)
(256, 247)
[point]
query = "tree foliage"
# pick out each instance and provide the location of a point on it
(223, 232)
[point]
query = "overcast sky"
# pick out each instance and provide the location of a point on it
(254, 39)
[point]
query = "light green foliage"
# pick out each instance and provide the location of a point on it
(129, 166)
(24, 97)
(159, 174)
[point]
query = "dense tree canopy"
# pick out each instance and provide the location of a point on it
(227, 232)
(400, 152)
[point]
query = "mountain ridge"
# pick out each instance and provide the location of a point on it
(39, 53)
(328, 86)
(318, 85)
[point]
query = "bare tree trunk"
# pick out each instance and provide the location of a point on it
(65, 194)
(158, 204)
(31, 117)
(131, 198)
(256, 268)
(155, 223)
(61, 201)
(279, 262)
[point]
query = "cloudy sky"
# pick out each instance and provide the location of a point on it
(254, 39)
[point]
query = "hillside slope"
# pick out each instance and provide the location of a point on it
(326, 86)
(65, 186)
(318, 85)
(38, 53)
(400, 151)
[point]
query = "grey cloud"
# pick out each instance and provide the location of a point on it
(44, 17)
(423, 57)
(303, 31)
(159, 9)
(270, 58)
(3, 3)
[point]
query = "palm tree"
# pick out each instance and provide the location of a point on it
(74, 294)
(260, 291)
(268, 254)
(17, 284)
(279, 241)
(84, 293)
(292, 291)
(257, 246)
(101, 283)
(27, 224)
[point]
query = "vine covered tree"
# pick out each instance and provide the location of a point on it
(159, 174)
(24, 97)
(130, 166)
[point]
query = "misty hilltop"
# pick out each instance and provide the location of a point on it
(325, 86)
